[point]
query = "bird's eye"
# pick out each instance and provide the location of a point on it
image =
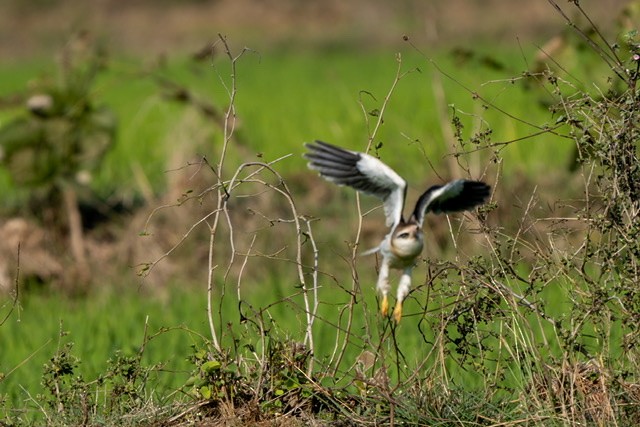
(403, 235)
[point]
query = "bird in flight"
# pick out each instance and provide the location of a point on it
(403, 244)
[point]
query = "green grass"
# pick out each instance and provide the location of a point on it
(286, 99)
(109, 322)
(98, 326)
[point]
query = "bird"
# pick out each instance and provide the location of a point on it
(404, 242)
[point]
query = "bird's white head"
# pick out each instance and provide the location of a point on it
(407, 240)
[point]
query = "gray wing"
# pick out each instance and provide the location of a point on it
(361, 171)
(455, 196)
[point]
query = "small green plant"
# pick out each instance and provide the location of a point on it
(217, 378)
(71, 399)
(126, 379)
(68, 395)
(277, 385)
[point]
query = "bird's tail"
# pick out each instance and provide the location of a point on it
(370, 251)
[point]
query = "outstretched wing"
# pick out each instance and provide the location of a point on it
(361, 171)
(455, 196)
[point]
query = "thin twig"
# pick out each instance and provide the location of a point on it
(16, 293)
(222, 193)
(282, 188)
(355, 285)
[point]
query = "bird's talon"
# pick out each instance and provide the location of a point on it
(397, 312)
(384, 306)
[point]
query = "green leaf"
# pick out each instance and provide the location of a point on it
(210, 366)
(205, 392)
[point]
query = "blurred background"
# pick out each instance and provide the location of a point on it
(148, 28)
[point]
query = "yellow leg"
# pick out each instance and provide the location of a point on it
(384, 307)
(397, 312)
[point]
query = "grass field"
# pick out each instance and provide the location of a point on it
(284, 100)
(467, 351)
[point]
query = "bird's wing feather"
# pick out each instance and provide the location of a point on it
(455, 196)
(360, 171)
